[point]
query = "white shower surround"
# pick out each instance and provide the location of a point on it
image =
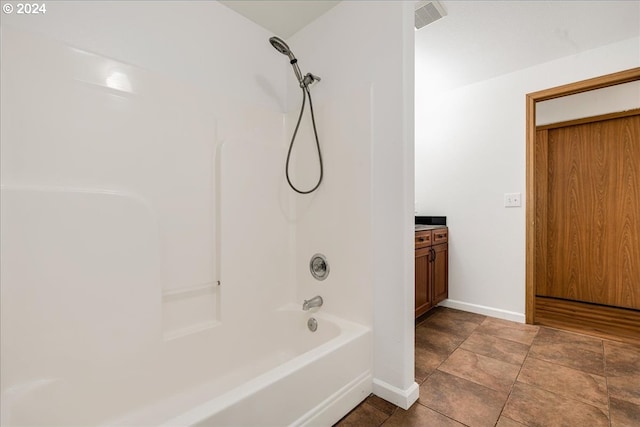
(162, 202)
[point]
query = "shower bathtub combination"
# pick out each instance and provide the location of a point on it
(127, 216)
(88, 338)
(287, 376)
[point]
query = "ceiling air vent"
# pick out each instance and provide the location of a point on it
(428, 12)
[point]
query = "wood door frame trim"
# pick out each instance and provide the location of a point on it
(613, 79)
(591, 119)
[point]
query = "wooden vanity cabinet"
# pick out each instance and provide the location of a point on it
(440, 273)
(424, 270)
(431, 269)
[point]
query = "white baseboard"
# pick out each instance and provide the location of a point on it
(399, 397)
(487, 311)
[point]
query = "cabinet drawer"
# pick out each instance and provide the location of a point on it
(423, 239)
(440, 236)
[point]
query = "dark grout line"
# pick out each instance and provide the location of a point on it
(516, 379)
(606, 381)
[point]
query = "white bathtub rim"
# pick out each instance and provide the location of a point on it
(349, 332)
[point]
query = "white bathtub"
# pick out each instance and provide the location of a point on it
(327, 374)
(275, 374)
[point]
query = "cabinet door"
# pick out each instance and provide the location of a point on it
(423, 270)
(440, 267)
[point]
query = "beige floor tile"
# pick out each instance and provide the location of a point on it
(569, 349)
(505, 329)
(621, 359)
(492, 373)
(624, 414)
(437, 341)
(497, 348)
(453, 323)
(426, 361)
(625, 388)
(534, 406)
(567, 382)
(381, 404)
(419, 416)
(578, 341)
(508, 422)
(467, 316)
(363, 415)
(461, 400)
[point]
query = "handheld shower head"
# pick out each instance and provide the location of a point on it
(305, 81)
(283, 48)
(280, 46)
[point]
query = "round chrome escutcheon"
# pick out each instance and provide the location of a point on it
(312, 324)
(319, 267)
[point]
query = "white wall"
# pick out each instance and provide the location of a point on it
(361, 215)
(470, 149)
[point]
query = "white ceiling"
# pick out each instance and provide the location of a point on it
(282, 18)
(478, 40)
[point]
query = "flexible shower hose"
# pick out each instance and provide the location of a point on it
(305, 92)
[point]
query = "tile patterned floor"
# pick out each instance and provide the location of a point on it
(475, 370)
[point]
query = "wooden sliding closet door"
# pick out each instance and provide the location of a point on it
(588, 211)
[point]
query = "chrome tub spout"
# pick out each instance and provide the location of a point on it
(311, 303)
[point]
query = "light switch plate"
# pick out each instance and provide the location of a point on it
(512, 200)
